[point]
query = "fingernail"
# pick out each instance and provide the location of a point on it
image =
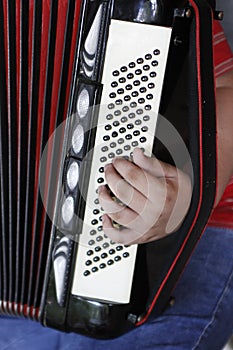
(100, 189)
(103, 218)
(107, 166)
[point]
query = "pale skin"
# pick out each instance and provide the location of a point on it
(149, 188)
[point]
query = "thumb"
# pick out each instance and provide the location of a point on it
(152, 165)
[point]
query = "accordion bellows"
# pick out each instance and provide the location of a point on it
(38, 43)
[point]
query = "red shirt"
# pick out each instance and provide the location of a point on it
(223, 62)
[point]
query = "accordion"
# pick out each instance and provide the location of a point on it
(81, 83)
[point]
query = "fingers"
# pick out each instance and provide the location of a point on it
(124, 236)
(128, 236)
(123, 190)
(142, 181)
(126, 197)
(152, 165)
(122, 214)
(146, 194)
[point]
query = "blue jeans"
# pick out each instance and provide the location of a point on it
(201, 318)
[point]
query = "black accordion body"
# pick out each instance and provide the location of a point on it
(81, 83)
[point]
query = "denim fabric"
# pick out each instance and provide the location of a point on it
(201, 318)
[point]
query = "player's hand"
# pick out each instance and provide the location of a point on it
(151, 199)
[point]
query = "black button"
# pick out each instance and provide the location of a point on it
(138, 122)
(103, 159)
(135, 143)
(105, 245)
(122, 130)
(104, 255)
(110, 262)
(130, 126)
(102, 266)
(119, 102)
(106, 138)
(135, 93)
(126, 255)
(147, 107)
(139, 111)
(93, 232)
(146, 67)
(141, 100)
(122, 80)
(94, 222)
(133, 104)
(132, 65)
(129, 87)
(117, 258)
(130, 76)
(132, 115)
(117, 113)
(142, 90)
(94, 269)
(148, 56)
(136, 132)
(112, 251)
(127, 98)
(98, 248)
(96, 259)
(114, 134)
(88, 263)
(153, 74)
(104, 149)
(125, 109)
(111, 155)
(96, 211)
(114, 84)
(128, 137)
(86, 273)
(151, 85)
(119, 152)
(149, 96)
(111, 106)
(138, 71)
(108, 127)
(99, 239)
(124, 69)
(100, 228)
(109, 116)
(144, 78)
(100, 180)
(140, 60)
(142, 139)
(124, 119)
(101, 169)
(120, 141)
(112, 95)
(90, 252)
(120, 91)
(115, 73)
(156, 52)
(144, 128)
(136, 83)
(146, 118)
(113, 144)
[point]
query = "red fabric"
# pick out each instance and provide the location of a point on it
(223, 62)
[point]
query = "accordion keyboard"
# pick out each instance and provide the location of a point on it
(132, 83)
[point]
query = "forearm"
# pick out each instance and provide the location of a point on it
(224, 102)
